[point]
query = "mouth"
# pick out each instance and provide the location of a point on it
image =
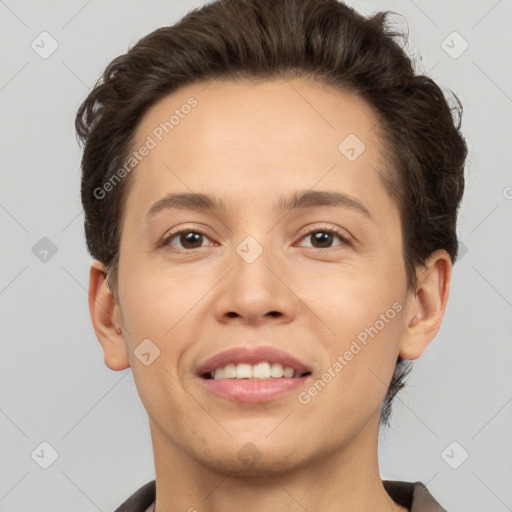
(264, 370)
(253, 374)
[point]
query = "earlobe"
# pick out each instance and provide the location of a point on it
(427, 305)
(106, 319)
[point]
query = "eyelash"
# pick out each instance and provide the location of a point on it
(329, 230)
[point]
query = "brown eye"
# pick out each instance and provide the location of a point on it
(189, 239)
(323, 238)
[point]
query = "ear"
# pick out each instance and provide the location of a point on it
(426, 306)
(106, 319)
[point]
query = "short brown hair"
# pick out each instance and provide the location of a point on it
(323, 40)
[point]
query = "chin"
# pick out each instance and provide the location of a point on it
(250, 461)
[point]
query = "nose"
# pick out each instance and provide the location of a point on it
(256, 291)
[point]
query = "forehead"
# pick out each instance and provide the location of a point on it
(258, 108)
(245, 135)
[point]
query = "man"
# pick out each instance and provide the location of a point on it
(271, 197)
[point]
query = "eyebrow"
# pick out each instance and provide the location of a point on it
(313, 198)
(298, 200)
(187, 201)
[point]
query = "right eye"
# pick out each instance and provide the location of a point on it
(188, 238)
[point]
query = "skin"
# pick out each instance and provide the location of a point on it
(251, 143)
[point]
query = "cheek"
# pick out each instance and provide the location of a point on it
(354, 381)
(356, 298)
(368, 322)
(154, 302)
(166, 310)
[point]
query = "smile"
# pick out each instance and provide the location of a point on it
(259, 371)
(253, 374)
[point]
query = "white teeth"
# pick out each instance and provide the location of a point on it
(276, 370)
(263, 370)
(230, 371)
(243, 371)
(288, 372)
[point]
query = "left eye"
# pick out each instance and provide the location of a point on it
(324, 237)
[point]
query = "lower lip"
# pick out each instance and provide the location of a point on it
(247, 390)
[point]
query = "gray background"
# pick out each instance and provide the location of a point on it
(54, 386)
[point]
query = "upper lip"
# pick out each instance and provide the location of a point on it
(251, 355)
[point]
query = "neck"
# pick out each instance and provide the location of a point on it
(346, 479)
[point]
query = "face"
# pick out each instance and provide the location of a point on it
(317, 284)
